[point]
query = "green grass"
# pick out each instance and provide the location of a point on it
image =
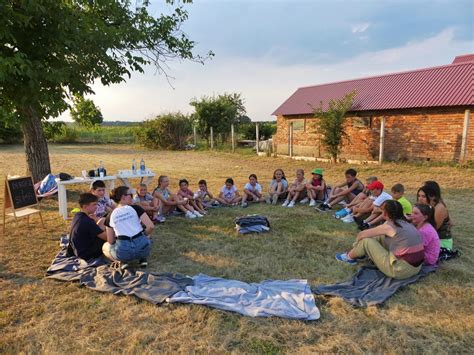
(434, 315)
(106, 134)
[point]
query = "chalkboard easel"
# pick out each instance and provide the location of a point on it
(20, 197)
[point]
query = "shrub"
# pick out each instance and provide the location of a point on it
(10, 133)
(53, 130)
(265, 129)
(168, 131)
(68, 135)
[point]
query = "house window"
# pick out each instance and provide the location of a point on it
(362, 122)
(299, 125)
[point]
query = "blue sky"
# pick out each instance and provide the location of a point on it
(267, 49)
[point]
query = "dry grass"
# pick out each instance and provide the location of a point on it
(38, 315)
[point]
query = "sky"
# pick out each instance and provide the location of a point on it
(266, 49)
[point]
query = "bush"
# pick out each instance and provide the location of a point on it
(10, 133)
(265, 129)
(168, 131)
(53, 130)
(68, 135)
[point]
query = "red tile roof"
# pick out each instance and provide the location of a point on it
(448, 85)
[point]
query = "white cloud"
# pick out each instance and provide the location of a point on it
(264, 82)
(360, 27)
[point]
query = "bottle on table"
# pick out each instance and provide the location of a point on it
(134, 167)
(142, 167)
(101, 169)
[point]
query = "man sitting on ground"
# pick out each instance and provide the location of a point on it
(86, 236)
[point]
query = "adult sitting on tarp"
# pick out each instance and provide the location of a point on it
(86, 236)
(126, 239)
(395, 247)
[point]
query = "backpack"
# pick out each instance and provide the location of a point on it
(47, 184)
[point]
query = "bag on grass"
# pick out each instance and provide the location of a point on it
(47, 184)
(252, 224)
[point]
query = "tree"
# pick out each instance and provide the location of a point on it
(86, 113)
(219, 113)
(331, 123)
(51, 50)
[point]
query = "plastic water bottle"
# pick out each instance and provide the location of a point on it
(142, 167)
(101, 169)
(134, 167)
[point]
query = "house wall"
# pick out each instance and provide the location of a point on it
(430, 134)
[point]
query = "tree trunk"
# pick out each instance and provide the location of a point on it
(36, 147)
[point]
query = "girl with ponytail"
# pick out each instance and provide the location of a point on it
(395, 247)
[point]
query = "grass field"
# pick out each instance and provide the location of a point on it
(435, 315)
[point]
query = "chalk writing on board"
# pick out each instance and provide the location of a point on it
(22, 192)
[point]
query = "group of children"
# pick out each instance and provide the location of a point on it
(363, 204)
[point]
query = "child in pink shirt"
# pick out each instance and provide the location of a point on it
(185, 192)
(423, 219)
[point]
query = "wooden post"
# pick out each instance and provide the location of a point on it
(465, 130)
(195, 135)
(212, 138)
(290, 141)
(382, 139)
(232, 136)
(257, 136)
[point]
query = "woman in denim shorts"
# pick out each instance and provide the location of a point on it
(126, 239)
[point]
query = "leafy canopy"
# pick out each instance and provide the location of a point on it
(51, 49)
(219, 113)
(86, 113)
(331, 123)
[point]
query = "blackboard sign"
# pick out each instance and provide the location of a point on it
(22, 192)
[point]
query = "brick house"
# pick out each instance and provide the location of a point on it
(416, 115)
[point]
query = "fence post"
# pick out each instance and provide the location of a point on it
(257, 136)
(212, 138)
(195, 136)
(465, 131)
(232, 135)
(382, 139)
(290, 141)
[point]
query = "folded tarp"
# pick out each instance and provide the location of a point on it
(288, 299)
(252, 224)
(369, 286)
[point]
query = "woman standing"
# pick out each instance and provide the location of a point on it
(126, 239)
(395, 247)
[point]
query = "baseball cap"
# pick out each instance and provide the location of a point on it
(318, 171)
(375, 185)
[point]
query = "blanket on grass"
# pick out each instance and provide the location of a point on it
(369, 286)
(288, 299)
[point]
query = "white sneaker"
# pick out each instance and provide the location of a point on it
(348, 219)
(190, 215)
(312, 203)
(305, 200)
(197, 214)
(291, 204)
(343, 203)
(285, 203)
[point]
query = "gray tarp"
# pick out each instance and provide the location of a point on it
(288, 299)
(369, 286)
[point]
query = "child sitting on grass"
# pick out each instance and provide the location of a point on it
(170, 202)
(316, 188)
(104, 204)
(423, 219)
(380, 196)
(278, 187)
(150, 204)
(364, 200)
(338, 194)
(86, 236)
(229, 195)
(185, 192)
(296, 189)
(252, 191)
(205, 198)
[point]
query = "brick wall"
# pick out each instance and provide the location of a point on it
(431, 134)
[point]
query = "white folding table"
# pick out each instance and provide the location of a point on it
(62, 189)
(145, 178)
